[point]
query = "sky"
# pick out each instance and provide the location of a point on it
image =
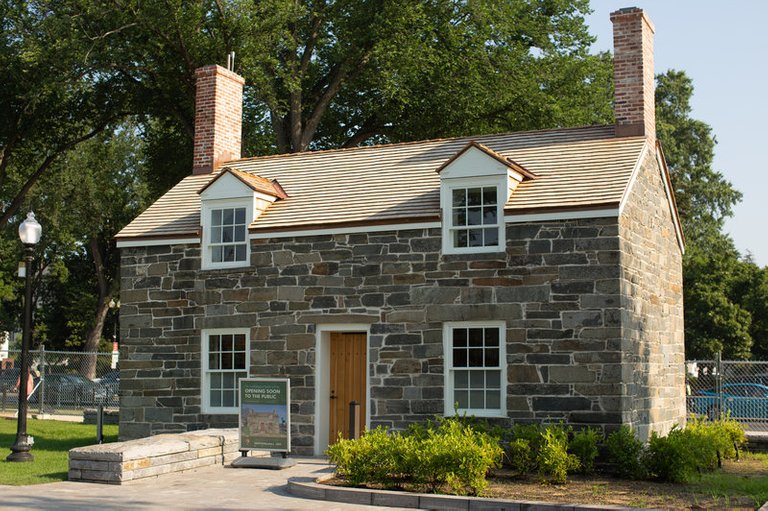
(723, 48)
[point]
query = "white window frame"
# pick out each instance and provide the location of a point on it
(205, 371)
(446, 201)
(449, 398)
(207, 207)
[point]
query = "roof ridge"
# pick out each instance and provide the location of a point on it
(415, 142)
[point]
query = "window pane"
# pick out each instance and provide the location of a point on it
(226, 343)
(489, 196)
(491, 336)
(459, 357)
(493, 400)
(240, 216)
(493, 379)
(217, 254)
(462, 397)
(477, 399)
(213, 361)
(216, 235)
(475, 238)
(476, 357)
(461, 239)
(228, 253)
(228, 399)
(240, 253)
(226, 360)
(228, 216)
(460, 217)
(477, 379)
(228, 380)
(227, 234)
(213, 343)
(474, 216)
(475, 336)
(215, 398)
(474, 196)
(459, 337)
(216, 217)
(239, 360)
(240, 233)
(491, 237)
(459, 197)
(489, 215)
(240, 342)
(491, 357)
(215, 380)
(460, 380)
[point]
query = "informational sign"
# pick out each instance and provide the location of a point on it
(265, 419)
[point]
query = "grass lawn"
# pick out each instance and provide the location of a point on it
(53, 439)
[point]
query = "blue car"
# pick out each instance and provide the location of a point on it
(741, 400)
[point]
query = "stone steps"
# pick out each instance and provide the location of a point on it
(119, 462)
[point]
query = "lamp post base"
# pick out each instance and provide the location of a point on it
(20, 450)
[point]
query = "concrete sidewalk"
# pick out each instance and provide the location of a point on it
(218, 487)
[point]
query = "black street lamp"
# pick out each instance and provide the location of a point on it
(114, 305)
(29, 232)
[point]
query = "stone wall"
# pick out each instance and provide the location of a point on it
(652, 300)
(558, 286)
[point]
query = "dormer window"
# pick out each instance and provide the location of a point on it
(475, 217)
(228, 235)
(230, 202)
(474, 187)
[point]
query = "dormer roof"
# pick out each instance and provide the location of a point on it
(254, 182)
(474, 145)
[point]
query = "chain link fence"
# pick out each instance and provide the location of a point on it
(63, 382)
(734, 387)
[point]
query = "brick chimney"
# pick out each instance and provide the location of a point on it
(633, 77)
(218, 118)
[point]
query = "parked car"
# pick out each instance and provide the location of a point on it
(107, 388)
(741, 400)
(66, 390)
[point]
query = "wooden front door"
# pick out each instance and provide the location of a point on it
(348, 381)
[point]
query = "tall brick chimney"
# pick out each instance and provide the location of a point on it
(633, 77)
(218, 118)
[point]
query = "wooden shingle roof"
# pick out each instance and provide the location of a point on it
(574, 168)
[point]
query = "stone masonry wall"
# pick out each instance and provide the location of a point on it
(557, 286)
(652, 302)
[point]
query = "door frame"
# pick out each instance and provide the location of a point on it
(323, 378)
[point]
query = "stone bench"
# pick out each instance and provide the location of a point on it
(119, 462)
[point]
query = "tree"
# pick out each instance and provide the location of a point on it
(52, 99)
(726, 298)
(325, 74)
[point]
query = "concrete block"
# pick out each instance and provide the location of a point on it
(443, 502)
(349, 495)
(395, 499)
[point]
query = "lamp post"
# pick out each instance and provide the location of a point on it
(114, 305)
(29, 232)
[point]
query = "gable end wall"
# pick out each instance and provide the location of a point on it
(652, 302)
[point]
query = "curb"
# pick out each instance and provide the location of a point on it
(301, 487)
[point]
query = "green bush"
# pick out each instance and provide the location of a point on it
(625, 453)
(520, 456)
(553, 459)
(583, 445)
(680, 456)
(447, 454)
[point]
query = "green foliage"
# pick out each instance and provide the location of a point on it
(553, 460)
(625, 453)
(447, 455)
(520, 456)
(584, 446)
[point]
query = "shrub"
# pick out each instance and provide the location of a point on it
(584, 446)
(679, 456)
(625, 452)
(447, 453)
(553, 459)
(520, 456)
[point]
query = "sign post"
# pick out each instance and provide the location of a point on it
(265, 421)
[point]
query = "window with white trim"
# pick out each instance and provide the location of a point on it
(225, 233)
(473, 216)
(225, 359)
(475, 368)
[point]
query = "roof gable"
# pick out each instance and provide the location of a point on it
(233, 183)
(478, 160)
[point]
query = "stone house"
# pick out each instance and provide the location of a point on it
(521, 277)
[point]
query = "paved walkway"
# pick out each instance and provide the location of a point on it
(219, 488)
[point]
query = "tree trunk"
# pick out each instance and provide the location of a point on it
(94, 334)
